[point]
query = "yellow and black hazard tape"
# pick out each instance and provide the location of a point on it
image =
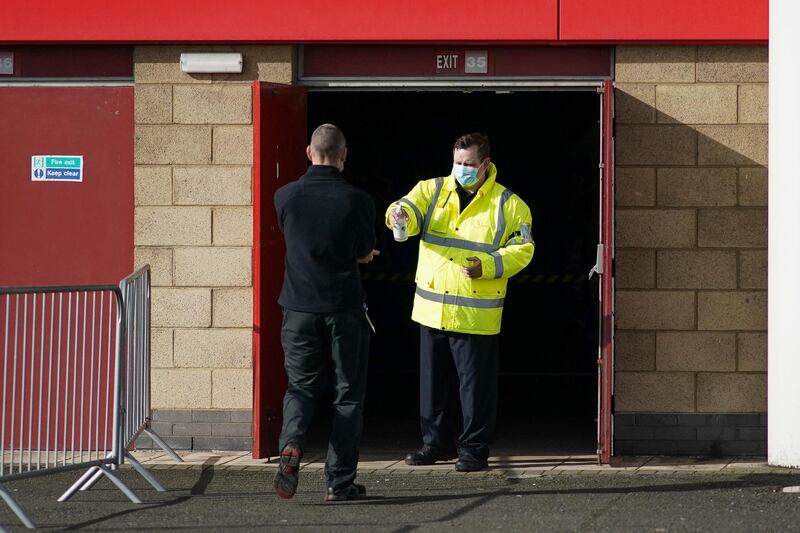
(550, 279)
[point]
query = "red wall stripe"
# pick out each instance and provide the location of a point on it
(658, 20)
(86, 21)
(248, 20)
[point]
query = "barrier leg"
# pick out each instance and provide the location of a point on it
(120, 485)
(94, 479)
(163, 445)
(17, 508)
(111, 476)
(78, 484)
(145, 473)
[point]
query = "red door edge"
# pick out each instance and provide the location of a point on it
(606, 362)
(256, 416)
(279, 134)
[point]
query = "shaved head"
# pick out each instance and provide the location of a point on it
(327, 142)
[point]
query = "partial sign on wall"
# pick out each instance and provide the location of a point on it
(57, 168)
(7, 63)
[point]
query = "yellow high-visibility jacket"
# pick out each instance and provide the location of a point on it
(495, 227)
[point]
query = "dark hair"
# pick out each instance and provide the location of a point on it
(328, 141)
(481, 140)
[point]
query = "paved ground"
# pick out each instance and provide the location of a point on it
(215, 492)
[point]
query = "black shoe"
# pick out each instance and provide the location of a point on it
(428, 455)
(288, 471)
(470, 463)
(353, 491)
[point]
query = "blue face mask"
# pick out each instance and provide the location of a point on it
(466, 176)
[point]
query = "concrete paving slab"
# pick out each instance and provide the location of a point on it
(402, 466)
(577, 467)
(629, 461)
(579, 463)
(247, 460)
(686, 463)
(520, 472)
(380, 465)
(207, 458)
(148, 455)
(374, 456)
(747, 462)
(438, 467)
(526, 462)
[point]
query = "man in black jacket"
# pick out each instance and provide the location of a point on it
(329, 227)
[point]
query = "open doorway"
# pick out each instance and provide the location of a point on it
(546, 145)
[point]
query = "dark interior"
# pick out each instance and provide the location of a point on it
(546, 148)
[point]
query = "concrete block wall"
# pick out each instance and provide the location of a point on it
(691, 239)
(202, 429)
(193, 225)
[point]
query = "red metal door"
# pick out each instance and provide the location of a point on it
(59, 232)
(605, 267)
(280, 139)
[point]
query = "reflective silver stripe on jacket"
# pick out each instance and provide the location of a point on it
(417, 212)
(432, 206)
(463, 301)
(498, 264)
(501, 229)
(501, 218)
(459, 243)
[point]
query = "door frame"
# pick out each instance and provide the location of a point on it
(606, 264)
(603, 87)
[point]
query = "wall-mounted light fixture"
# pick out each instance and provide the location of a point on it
(211, 63)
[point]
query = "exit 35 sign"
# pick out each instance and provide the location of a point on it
(453, 61)
(457, 62)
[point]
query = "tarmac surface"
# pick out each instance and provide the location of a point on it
(234, 493)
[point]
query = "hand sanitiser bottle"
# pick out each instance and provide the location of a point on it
(400, 227)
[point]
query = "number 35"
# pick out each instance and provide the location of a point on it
(476, 62)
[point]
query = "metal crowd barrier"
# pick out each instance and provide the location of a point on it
(75, 382)
(137, 405)
(134, 391)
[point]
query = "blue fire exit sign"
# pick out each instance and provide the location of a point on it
(57, 168)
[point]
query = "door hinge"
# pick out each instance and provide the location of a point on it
(598, 265)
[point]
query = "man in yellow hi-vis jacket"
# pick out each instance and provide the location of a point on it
(475, 234)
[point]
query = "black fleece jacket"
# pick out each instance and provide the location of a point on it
(327, 224)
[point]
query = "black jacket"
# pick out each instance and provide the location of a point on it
(327, 224)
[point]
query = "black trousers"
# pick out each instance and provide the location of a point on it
(447, 360)
(315, 347)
